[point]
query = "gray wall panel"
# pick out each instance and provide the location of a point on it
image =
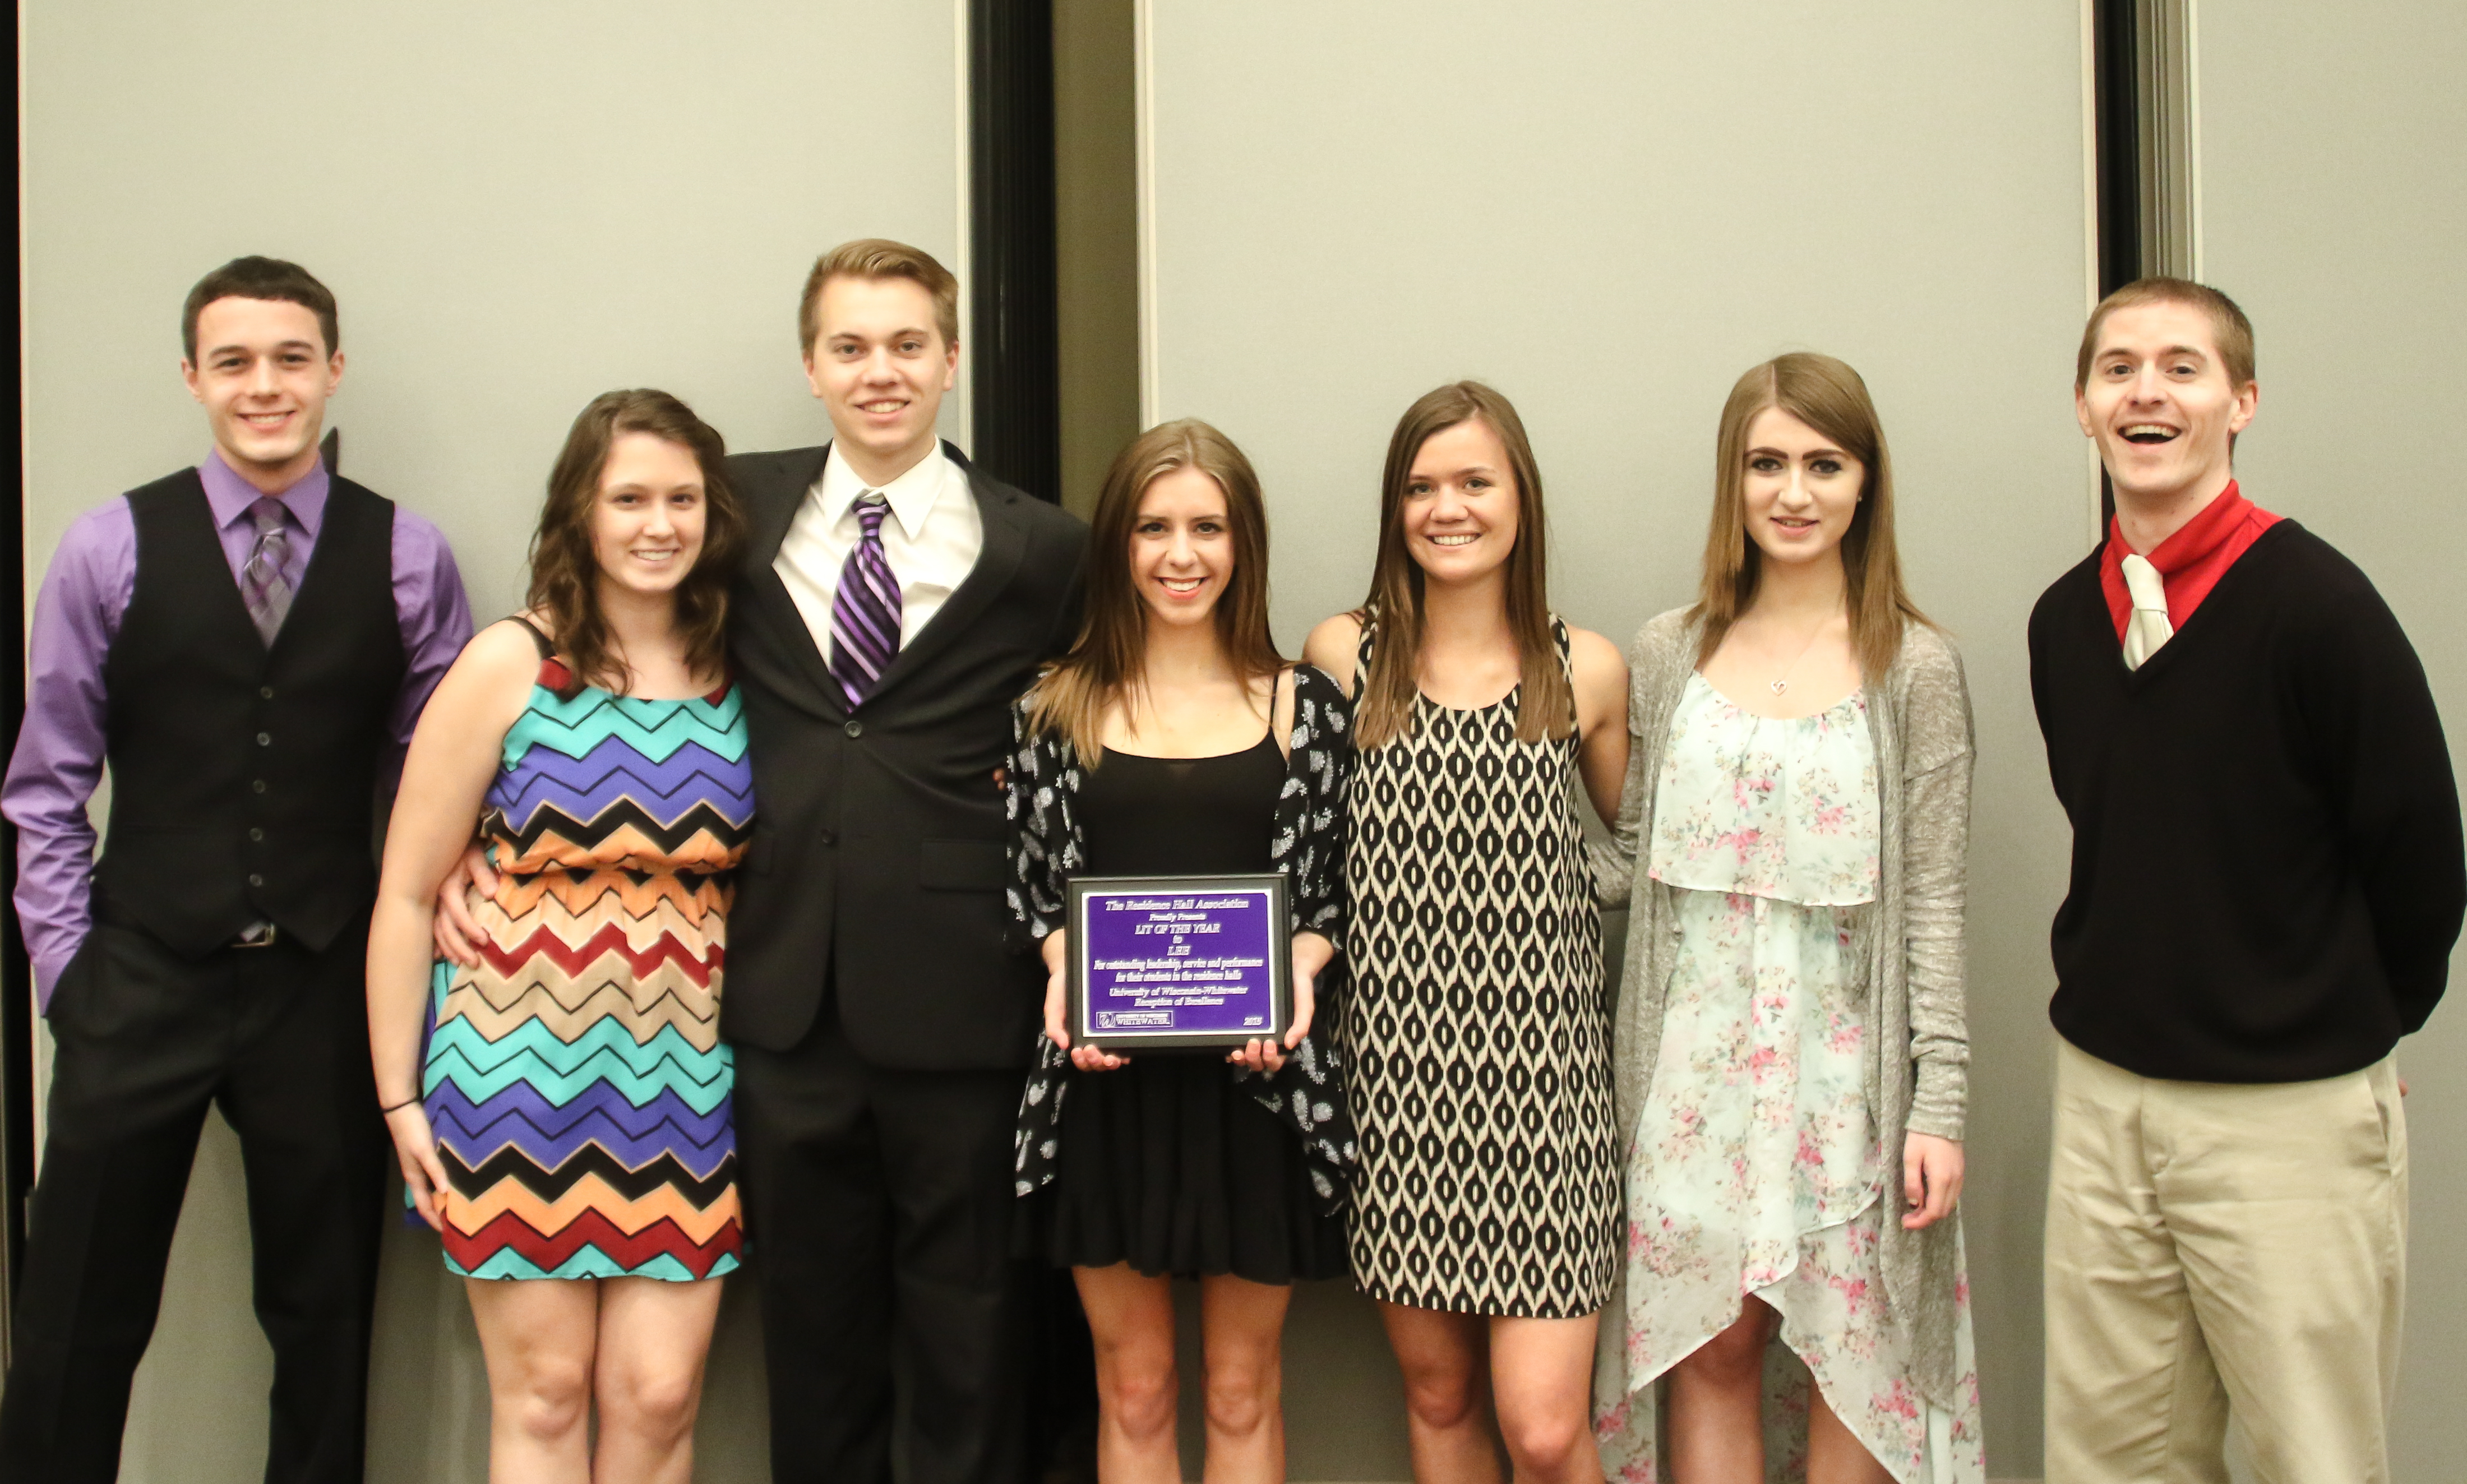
(1611, 212)
(2333, 209)
(518, 207)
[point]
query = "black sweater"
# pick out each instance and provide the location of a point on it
(2268, 874)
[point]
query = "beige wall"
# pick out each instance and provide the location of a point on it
(519, 207)
(1611, 212)
(2333, 210)
(1096, 239)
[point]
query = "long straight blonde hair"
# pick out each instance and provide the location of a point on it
(1827, 396)
(1108, 663)
(1547, 706)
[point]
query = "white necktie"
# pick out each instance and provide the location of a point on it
(2148, 628)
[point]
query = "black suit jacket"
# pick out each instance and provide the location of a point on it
(877, 864)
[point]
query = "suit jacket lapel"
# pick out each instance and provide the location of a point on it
(1005, 543)
(770, 514)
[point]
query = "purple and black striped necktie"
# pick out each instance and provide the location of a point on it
(865, 608)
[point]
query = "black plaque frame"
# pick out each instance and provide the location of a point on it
(1281, 960)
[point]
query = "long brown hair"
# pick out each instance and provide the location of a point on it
(565, 572)
(1109, 661)
(1827, 396)
(1548, 706)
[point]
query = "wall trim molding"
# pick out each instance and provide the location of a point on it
(1143, 126)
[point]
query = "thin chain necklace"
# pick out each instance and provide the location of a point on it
(1783, 684)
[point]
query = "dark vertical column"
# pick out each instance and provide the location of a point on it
(16, 980)
(1011, 327)
(2116, 73)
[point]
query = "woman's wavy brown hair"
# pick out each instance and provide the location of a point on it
(1546, 705)
(1827, 396)
(1108, 663)
(565, 572)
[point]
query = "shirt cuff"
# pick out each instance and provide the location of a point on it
(47, 969)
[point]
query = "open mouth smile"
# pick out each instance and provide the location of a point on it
(2148, 433)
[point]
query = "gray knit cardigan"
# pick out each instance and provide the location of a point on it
(1918, 1059)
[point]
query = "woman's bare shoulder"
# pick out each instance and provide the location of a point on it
(507, 647)
(1591, 654)
(1333, 646)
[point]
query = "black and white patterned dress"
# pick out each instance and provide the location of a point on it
(1477, 1032)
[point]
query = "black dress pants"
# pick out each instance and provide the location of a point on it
(277, 1037)
(878, 1209)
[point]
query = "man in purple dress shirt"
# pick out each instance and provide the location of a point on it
(246, 643)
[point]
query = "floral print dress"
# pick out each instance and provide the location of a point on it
(1758, 1168)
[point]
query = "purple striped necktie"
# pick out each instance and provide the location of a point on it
(865, 608)
(261, 583)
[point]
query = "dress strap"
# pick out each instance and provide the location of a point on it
(554, 673)
(539, 638)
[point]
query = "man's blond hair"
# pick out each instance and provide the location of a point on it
(2228, 325)
(880, 258)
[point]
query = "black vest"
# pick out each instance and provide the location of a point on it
(243, 780)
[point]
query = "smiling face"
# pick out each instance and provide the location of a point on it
(646, 520)
(264, 373)
(1182, 547)
(1799, 490)
(2159, 405)
(880, 368)
(1460, 508)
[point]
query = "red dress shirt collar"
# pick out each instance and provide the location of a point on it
(2191, 561)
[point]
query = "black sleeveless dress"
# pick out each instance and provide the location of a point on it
(1166, 1163)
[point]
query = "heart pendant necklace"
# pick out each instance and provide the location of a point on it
(1784, 683)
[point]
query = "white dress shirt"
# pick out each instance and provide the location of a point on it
(931, 540)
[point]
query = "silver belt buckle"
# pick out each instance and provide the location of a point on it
(256, 934)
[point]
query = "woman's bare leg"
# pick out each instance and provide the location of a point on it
(539, 1336)
(654, 1337)
(1444, 1358)
(1835, 1455)
(1717, 1403)
(1242, 1327)
(1541, 1380)
(1130, 1317)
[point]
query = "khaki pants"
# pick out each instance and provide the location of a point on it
(2213, 1245)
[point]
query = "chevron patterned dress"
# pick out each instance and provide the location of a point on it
(575, 1080)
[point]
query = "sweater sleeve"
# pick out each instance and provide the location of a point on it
(1043, 835)
(2386, 770)
(1309, 847)
(1614, 861)
(1937, 756)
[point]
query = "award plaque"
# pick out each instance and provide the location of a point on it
(1179, 962)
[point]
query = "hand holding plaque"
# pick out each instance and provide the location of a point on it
(1178, 963)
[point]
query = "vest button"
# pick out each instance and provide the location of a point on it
(265, 739)
(854, 729)
(265, 692)
(257, 785)
(256, 879)
(256, 834)
(827, 836)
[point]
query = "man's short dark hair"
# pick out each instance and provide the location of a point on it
(262, 277)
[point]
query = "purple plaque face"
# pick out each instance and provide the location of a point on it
(1179, 962)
